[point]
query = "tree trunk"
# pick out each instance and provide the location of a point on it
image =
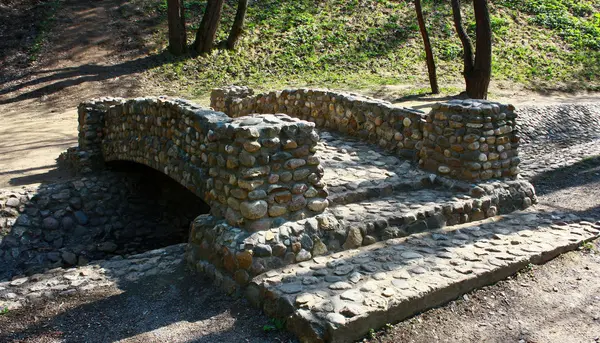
(428, 52)
(483, 58)
(238, 24)
(177, 35)
(477, 70)
(462, 35)
(205, 36)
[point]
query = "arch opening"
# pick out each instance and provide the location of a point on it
(157, 211)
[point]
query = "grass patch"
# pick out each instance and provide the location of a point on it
(274, 325)
(539, 44)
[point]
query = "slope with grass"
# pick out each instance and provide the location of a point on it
(538, 44)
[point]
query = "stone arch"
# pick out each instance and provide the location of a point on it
(255, 171)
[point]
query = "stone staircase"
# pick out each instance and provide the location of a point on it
(340, 297)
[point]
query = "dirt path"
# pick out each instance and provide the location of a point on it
(88, 54)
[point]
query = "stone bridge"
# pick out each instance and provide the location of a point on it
(279, 194)
(334, 194)
(259, 170)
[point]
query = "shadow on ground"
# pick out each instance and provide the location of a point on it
(571, 188)
(60, 79)
(175, 307)
(127, 209)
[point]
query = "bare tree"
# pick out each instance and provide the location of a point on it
(238, 24)
(177, 34)
(428, 52)
(477, 69)
(205, 36)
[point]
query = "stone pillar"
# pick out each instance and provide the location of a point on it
(471, 140)
(87, 156)
(263, 171)
(221, 99)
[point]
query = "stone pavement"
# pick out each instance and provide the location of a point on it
(557, 136)
(340, 297)
(354, 168)
(536, 162)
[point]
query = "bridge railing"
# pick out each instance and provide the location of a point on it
(256, 172)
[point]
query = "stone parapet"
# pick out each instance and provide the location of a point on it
(462, 139)
(471, 140)
(255, 171)
(391, 127)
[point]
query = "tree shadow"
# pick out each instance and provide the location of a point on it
(177, 304)
(581, 173)
(571, 181)
(63, 78)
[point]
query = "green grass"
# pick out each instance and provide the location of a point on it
(588, 246)
(274, 325)
(355, 44)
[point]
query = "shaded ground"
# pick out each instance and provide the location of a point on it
(179, 307)
(574, 188)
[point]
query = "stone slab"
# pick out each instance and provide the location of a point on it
(340, 297)
(355, 169)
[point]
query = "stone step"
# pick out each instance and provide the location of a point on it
(355, 170)
(340, 297)
(428, 209)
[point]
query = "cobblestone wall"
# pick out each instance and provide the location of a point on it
(255, 171)
(393, 128)
(92, 217)
(461, 139)
(471, 139)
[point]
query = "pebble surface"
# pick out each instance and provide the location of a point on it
(346, 288)
(58, 282)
